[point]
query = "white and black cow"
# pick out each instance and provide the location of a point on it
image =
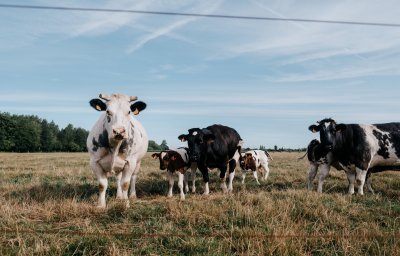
(176, 161)
(117, 143)
(255, 160)
(360, 148)
(216, 146)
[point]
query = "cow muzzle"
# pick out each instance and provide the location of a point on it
(119, 133)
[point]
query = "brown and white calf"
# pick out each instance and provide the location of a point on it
(254, 160)
(117, 143)
(177, 162)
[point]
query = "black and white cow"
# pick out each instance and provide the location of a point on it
(176, 161)
(322, 159)
(117, 143)
(253, 161)
(360, 148)
(214, 147)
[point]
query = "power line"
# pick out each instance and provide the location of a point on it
(222, 16)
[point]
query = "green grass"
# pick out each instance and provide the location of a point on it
(48, 208)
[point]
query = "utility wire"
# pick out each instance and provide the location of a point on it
(222, 16)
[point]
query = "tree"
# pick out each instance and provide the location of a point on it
(7, 131)
(164, 145)
(27, 134)
(48, 137)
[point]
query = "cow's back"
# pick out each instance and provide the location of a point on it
(226, 140)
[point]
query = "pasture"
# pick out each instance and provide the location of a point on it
(48, 208)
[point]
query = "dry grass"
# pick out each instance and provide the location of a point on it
(47, 208)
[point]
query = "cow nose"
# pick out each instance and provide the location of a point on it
(118, 131)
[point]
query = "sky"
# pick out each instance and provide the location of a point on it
(269, 80)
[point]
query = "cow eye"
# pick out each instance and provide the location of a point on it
(129, 112)
(108, 112)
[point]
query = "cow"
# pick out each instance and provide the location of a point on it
(117, 143)
(176, 161)
(361, 148)
(254, 160)
(322, 159)
(215, 146)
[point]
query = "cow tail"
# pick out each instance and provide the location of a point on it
(303, 156)
(268, 155)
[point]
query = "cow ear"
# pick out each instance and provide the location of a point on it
(137, 107)
(182, 137)
(340, 127)
(314, 128)
(98, 104)
(155, 155)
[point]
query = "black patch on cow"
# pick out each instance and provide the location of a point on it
(255, 152)
(351, 147)
(125, 146)
(383, 141)
(394, 135)
(101, 142)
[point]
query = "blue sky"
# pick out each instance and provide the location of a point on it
(269, 80)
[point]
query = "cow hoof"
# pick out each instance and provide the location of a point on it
(132, 196)
(101, 207)
(194, 190)
(169, 196)
(206, 193)
(182, 198)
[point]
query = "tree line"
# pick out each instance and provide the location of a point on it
(28, 133)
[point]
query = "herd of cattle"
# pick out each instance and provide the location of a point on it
(118, 142)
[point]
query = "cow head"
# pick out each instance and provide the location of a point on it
(166, 158)
(118, 108)
(198, 141)
(247, 162)
(327, 129)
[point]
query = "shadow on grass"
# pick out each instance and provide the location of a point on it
(59, 190)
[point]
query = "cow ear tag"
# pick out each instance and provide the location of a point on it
(136, 112)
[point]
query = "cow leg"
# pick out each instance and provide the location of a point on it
(369, 183)
(360, 179)
(351, 177)
(103, 183)
(222, 176)
(311, 175)
(266, 171)
(132, 192)
(186, 182)
(323, 172)
(243, 175)
(119, 187)
(255, 174)
(204, 171)
(194, 169)
(170, 182)
(180, 184)
(232, 166)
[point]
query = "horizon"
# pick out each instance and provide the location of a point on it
(269, 80)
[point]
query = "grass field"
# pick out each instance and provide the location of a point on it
(47, 208)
